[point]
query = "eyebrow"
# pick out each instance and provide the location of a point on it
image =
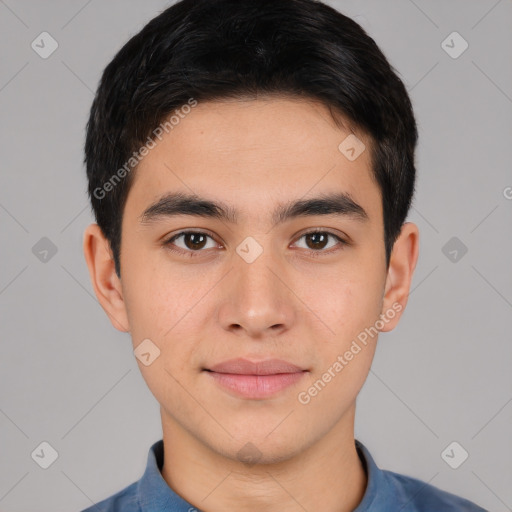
(178, 203)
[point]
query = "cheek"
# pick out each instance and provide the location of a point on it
(350, 307)
(347, 305)
(165, 306)
(156, 307)
(146, 304)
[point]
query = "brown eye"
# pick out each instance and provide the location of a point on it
(194, 241)
(191, 241)
(316, 240)
(321, 241)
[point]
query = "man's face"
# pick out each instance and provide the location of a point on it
(259, 288)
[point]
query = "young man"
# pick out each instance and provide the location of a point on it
(251, 166)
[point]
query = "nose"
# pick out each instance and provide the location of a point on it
(255, 299)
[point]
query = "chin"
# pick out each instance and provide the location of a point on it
(253, 454)
(259, 448)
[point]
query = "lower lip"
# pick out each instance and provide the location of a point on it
(256, 386)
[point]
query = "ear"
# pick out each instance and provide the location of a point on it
(106, 284)
(399, 276)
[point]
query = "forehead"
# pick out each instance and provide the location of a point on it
(254, 153)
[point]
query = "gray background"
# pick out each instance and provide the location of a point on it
(69, 378)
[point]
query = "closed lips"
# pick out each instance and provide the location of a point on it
(242, 366)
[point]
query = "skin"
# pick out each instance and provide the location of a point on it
(287, 304)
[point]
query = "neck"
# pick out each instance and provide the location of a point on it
(327, 476)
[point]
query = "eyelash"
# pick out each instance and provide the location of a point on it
(315, 253)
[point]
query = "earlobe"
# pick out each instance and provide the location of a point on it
(104, 279)
(399, 277)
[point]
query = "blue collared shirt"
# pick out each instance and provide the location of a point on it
(385, 492)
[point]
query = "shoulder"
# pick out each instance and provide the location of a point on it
(125, 500)
(419, 496)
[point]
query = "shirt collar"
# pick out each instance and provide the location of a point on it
(155, 495)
